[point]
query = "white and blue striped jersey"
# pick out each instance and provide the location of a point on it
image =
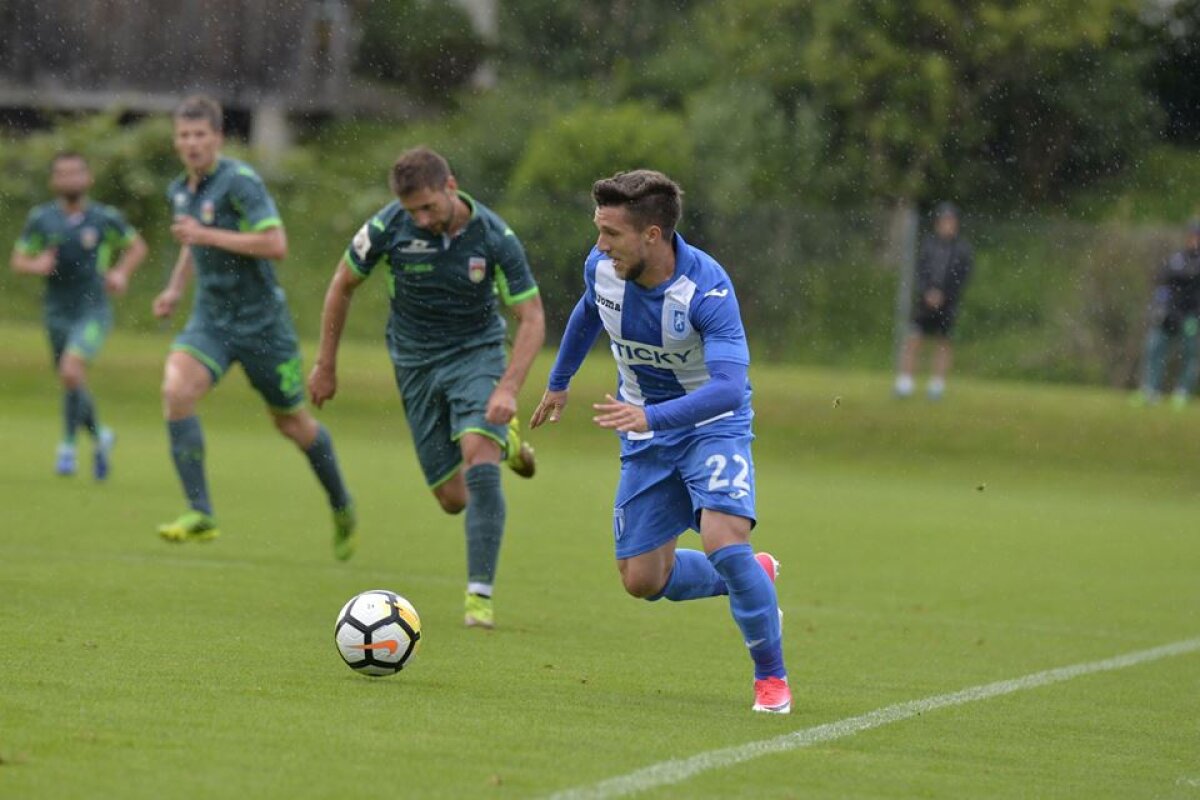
(663, 338)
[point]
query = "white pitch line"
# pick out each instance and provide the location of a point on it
(675, 771)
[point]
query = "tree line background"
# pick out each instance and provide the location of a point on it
(1068, 131)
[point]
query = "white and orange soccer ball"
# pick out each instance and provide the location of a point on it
(377, 633)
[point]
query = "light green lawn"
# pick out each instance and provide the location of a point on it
(134, 669)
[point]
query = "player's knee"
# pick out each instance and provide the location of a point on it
(300, 428)
(70, 375)
(451, 505)
(642, 584)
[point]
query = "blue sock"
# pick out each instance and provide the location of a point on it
(324, 464)
(187, 450)
(754, 607)
(692, 577)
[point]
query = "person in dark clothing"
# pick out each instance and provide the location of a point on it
(1174, 317)
(944, 266)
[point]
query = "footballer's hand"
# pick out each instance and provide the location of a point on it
(116, 282)
(549, 409)
(934, 298)
(322, 384)
(164, 304)
(618, 416)
(502, 406)
(45, 262)
(188, 230)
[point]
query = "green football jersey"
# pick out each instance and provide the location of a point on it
(445, 290)
(238, 294)
(86, 242)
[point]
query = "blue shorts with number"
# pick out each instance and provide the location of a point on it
(666, 484)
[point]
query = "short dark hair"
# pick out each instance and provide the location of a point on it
(201, 107)
(650, 197)
(68, 155)
(419, 168)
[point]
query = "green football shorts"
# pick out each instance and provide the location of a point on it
(444, 401)
(270, 358)
(82, 334)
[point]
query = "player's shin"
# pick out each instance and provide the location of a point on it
(485, 524)
(324, 463)
(187, 451)
(692, 577)
(754, 607)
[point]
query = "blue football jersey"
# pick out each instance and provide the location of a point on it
(661, 338)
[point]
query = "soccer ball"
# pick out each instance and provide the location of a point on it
(377, 632)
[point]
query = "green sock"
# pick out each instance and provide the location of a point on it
(324, 463)
(187, 450)
(485, 522)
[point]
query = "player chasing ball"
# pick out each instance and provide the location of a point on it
(71, 242)
(449, 258)
(682, 411)
(229, 233)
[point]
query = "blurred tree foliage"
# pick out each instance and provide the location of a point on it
(429, 48)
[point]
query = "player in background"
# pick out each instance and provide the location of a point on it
(229, 233)
(1175, 316)
(944, 266)
(682, 411)
(71, 242)
(449, 259)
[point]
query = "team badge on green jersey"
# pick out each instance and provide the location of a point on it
(476, 268)
(208, 212)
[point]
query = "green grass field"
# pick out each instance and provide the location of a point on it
(926, 549)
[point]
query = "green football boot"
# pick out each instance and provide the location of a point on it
(192, 526)
(521, 458)
(345, 532)
(479, 613)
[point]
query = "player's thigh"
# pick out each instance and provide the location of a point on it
(88, 332)
(205, 346)
(468, 380)
(718, 467)
(652, 506)
(428, 416)
(58, 330)
(274, 367)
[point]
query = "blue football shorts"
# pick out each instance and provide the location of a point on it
(665, 485)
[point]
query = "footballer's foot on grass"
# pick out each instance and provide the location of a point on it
(772, 696)
(102, 463)
(520, 459)
(479, 613)
(345, 532)
(64, 460)
(193, 526)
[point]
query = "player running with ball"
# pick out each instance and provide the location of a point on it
(682, 411)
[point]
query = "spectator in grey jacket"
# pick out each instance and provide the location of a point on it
(944, 266)
(1174, 317)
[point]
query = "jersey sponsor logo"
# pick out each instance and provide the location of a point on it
(717, 293)
(648, 355)
(362, 242)
(419, 247)
(476, 269)
(208, 212)
(601, 300)
(180, 201)
(89, 238)
(417, 268)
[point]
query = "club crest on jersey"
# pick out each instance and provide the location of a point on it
(476, 269)
(208, 212)
(88, 238)
(676, 321)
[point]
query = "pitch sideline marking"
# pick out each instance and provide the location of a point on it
(674, 771)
